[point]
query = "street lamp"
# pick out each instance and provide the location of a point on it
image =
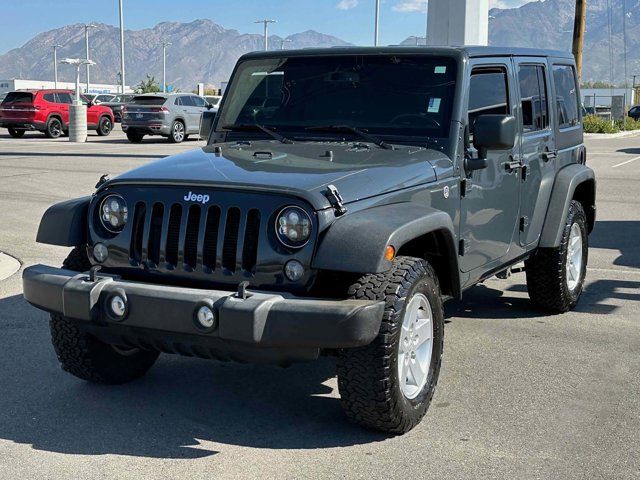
(77, 111)
(86, 44)
(377, 20)
(122, 80)
(164, 65)
(55, 65)
(266, 22)
(283, 41)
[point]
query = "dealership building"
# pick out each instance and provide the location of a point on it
(19, 84)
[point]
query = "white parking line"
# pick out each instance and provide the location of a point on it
(624, 163)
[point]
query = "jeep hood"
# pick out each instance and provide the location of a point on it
(358, 171)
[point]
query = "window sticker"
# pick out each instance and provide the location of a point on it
(440, 69)
(434, 105)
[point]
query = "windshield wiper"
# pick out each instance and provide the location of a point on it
(255, 126)
(348, 128)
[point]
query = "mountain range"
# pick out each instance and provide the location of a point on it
(203, 51)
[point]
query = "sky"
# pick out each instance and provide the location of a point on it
(350, 20)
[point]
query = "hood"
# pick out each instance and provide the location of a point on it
(357, 170)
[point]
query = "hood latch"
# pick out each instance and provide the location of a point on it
(335, 199)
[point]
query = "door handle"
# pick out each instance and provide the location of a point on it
(512, 165)
(549, 155)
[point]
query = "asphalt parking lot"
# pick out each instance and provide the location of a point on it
(521, 395)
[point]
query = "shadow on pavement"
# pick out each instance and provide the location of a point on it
(621, 235)
(79, 155)
(166, 414)
(630, 151)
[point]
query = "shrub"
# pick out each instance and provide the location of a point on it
(595, 124)
(628, 124)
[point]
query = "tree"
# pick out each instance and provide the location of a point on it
(149, 85)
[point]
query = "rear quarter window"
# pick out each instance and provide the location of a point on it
(566, 96)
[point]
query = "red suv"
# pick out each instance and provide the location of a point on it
(48, 111)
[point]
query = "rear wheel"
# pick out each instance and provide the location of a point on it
(134, 136)
(388, 384)
(53, 128)
(88, 358)
(177, 134)
(16, 133)
(105, 125)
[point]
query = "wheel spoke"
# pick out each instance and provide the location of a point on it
(417, 372)
(423, 330)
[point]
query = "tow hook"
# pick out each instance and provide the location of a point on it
(242, 290)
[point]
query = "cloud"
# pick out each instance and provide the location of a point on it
(347, 4)
(421, 5)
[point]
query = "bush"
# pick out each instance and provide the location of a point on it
(595, 124)
(628, 124)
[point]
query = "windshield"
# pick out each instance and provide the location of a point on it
(396, 95)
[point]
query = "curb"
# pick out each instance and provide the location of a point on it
(605, 136)
(8, 266)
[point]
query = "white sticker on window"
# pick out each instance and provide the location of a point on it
(440, 69)
(434, 105)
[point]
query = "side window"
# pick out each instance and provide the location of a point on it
(186, 101)
(49, 97)
(178, 101)
(488, 93)
(197, 101)
(64, 98)
(566, 95)
(533, 93)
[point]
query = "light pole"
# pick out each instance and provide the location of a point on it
(164, 65)
(55, 65)
(86, 45)
(77, 110)
(377, 20)
(282, 42)
(266, 22)
(122, 80)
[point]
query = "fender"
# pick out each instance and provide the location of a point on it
(356, 242)
(65, 223)
(565, 185)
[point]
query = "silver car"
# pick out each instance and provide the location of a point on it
(171, 115)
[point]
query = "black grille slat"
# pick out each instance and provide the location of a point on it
(210, 245)
(230, 244)
(191, 237)
(173, 234)
(250, 243)
(155, 233)
(137, 232)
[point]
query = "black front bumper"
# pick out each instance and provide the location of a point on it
(263, 326)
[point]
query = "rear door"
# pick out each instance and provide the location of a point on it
(538, 150)
(64, 100)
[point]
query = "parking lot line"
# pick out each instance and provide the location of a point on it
(624, 163)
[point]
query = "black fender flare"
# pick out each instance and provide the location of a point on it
(569, 180)
(65, 223)
(356, 242)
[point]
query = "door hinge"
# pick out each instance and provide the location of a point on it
(336, 200)
(461, 247)
(524, 223)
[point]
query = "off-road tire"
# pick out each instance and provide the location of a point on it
(368, 378)
(105, 125)
(15, 133)
(134, 137)
(86, 357)
(546, 270)
(54, 128)
(174, 137)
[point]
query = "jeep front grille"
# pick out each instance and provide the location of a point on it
(195, 237)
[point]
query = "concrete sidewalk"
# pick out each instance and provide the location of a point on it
(8, 266)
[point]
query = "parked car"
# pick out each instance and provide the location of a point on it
(635, 112)
(317, 221)
(117, 104)
(47, 111)
(103, 97)
(172, 115)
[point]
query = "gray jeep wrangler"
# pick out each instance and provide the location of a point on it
(343, 195)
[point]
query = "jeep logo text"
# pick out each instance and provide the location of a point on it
(192, 197)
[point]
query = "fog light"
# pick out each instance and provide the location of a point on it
(118, 306)
(293, 270)
(100, 252)
(205, 317)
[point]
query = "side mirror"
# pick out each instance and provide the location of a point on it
(90, 104)
(206, 123)
(96, 102)
(494, 132)
(209, 106)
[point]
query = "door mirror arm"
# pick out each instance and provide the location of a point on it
(473, 161)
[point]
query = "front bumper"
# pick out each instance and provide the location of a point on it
(261, 320)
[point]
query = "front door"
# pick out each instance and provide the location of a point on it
(538, 151)
(490, 205)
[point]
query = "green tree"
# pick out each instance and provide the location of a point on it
(148, 85)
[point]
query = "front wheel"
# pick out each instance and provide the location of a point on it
(104, 126)
(16, 133)
(388, 384)
(555, 276)
(177, 134)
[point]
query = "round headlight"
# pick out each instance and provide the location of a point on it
(293, 227)
(113, 213)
